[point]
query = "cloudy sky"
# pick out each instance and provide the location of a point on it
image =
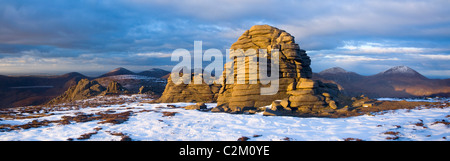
(367, 37)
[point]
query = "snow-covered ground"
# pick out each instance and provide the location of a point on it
(148, 123)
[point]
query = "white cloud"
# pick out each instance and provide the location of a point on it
(435, 56)
(155, 54)
(355, 59)
(371, 49)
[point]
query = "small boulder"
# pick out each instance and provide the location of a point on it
(332, 104)
(276, 105)
(201, 105)
(198, 106)
(217, 109)
(285, 103)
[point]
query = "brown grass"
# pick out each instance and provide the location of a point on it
(86, 136)
(123, 136)
(420, 124)
(244, 138)
(445, 122)
(168, 114)
(392, 138)
(352, 139)
(394, 133)
(116, 118)
(113, 118)
(391, 133)
(287, 139)
(32, 124)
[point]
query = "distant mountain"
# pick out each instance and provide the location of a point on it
(150, 79)
(334, 70)
(340, 75)
(401, 71)
(118, 71)
(154, 72)
(399, 81)
(34, 90)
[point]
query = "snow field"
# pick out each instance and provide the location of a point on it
(193, 125)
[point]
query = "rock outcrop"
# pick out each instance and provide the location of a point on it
(146, 90)
(297, 92)
(83, 90)
(114, 88)
(189, 92)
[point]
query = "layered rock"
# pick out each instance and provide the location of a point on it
(114, 88)
(189, 92)
(83, 90)
(297, 92)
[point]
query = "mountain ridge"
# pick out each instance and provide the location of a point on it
(30, 90)
(397, 81)
(118, 71)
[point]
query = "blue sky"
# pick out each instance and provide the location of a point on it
(367, 37)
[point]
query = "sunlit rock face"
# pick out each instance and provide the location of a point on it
(295, 87)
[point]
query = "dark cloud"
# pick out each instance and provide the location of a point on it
(114, 32)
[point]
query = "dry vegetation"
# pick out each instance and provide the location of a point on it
(395, 135)
(168, 114)
(379, 107)
(244, 138)
(113, 118)
(86, 136)
(32, 124)
(287, 139)
(33, 112)
(123, 136)
(445, 122)
(352, 139)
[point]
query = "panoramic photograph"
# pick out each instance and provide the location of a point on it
(224, 70)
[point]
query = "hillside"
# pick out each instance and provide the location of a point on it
(154, 72)
(34, 90)
(118, 71)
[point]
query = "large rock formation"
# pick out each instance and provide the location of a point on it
(296, 89)
(114, 88)
(189, 92)
(87, 89)
(83, 90)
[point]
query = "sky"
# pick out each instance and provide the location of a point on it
(88, 36)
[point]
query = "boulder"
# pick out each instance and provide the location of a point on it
(198, 106)
(262, 37)
(285, 103)
(296, 88)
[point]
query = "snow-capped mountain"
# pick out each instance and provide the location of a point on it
(402, 71)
